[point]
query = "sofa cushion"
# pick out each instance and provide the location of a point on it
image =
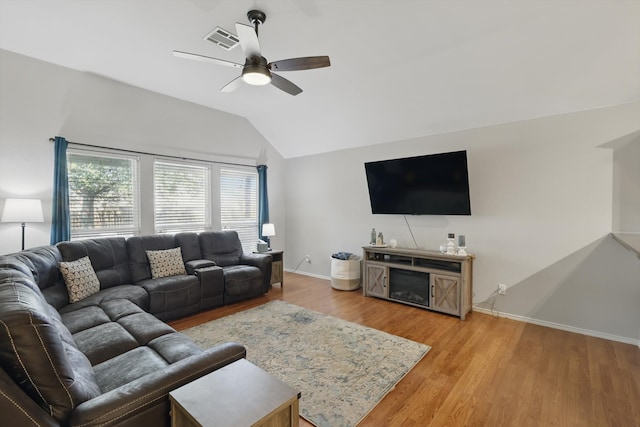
(65, 334)
(190, 246)
(44, 260)
(133, 293)
(242, 280)
(172, 293)
(165, 263)
(84, 318)
(137, 248)
(113, 328)
(174, 347)
(47, 367)
(8, 273)
(144, 327)
(104, 342)
(80, 278)
(57, 295)
(222, 247)
(127, 367)
(82, 369)
(117, 309)
(10, 265)
(40, 263)
(108, 256)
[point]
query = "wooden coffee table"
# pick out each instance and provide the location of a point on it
(239, 394)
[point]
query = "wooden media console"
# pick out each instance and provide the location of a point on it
(426, 279)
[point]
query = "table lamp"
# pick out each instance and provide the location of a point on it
(23, 211)
(268, 230)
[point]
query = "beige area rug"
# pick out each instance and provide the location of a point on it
(342, 369)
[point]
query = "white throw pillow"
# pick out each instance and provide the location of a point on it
(166, 263)
(80, 278)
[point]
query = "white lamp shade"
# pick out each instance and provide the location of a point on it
(22, 210)
(268, 230)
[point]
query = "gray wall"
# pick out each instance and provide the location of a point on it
(541, 190)
(596, 288)
(626, 183)
(39, 100)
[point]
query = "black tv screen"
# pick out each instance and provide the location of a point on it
(436, 184)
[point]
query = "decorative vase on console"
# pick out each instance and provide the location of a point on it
(451, 246)
(462, 245)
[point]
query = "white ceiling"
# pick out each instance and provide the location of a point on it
(399, 69)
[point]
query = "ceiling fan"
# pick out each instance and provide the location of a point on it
(256, 71)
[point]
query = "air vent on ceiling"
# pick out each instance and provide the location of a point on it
(222, 38)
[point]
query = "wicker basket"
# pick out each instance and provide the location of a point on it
(345, 274)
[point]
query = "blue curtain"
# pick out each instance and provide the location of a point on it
(60, 221)
(263, 198)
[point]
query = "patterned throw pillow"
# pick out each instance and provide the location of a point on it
(80, 278)
(166, 263)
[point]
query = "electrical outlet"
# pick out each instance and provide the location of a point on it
(307, 258)
(502, 289)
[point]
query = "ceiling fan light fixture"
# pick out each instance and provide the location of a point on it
(256, 71)
(256, 77)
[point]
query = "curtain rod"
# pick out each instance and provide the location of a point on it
(153, 154)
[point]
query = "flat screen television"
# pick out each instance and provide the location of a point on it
(435, 184)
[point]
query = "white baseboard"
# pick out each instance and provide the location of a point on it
(304, 273)
(560, 326)
(524, 319)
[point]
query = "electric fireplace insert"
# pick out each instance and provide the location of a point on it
(409, 286)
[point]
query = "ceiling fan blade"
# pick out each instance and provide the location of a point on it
(305, 63)
(248, 40)
(196, 57)
(285, 85)
(232, 85)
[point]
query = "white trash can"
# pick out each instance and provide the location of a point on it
(345, 274)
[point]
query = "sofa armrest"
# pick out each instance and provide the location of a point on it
(257, 260)
(18, 409)
(263, 262)
(195, 264)
(146, 400)
(212, 282)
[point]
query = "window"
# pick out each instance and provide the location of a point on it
(117, 193)
(181, 196)
(103, 194)
(239, 204)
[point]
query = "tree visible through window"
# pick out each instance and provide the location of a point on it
(102, 195)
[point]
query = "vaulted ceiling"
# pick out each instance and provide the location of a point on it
(399, 69)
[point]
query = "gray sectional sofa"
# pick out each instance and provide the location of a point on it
(109, 358)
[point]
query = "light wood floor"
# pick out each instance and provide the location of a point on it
(484, 371)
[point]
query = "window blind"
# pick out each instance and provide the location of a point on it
(239, 204)
(181, 196)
